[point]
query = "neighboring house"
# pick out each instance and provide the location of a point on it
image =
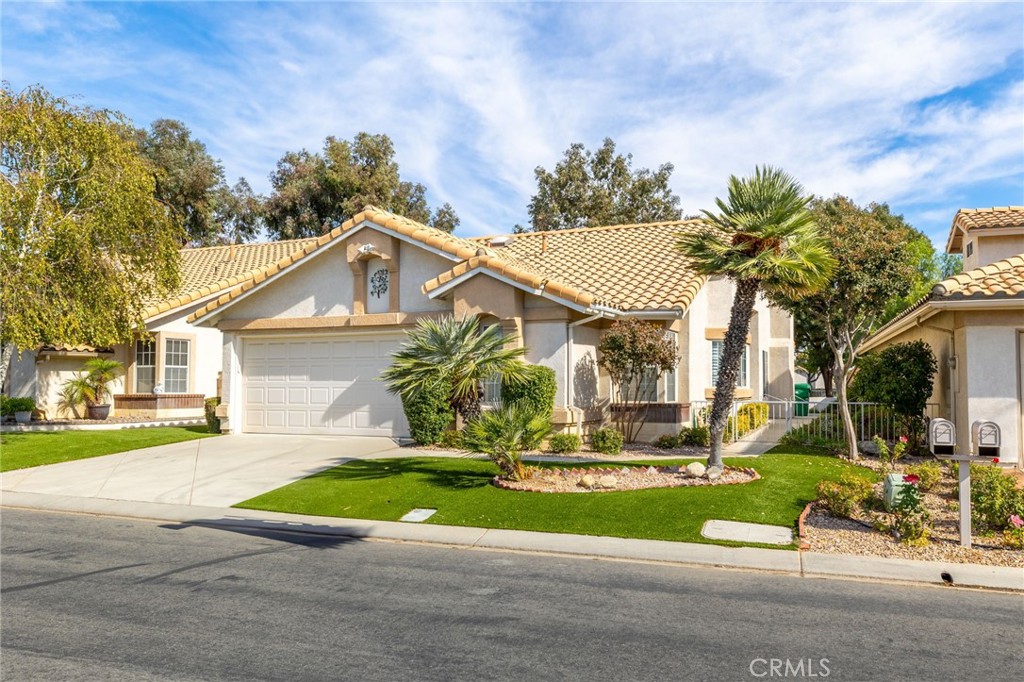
(974, 323)
(305, 339)
(182, 360)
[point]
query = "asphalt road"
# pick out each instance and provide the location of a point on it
(88, 598)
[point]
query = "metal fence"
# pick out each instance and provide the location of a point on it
(816, 421)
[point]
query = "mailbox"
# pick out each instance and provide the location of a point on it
(942, 437)
(985, 438)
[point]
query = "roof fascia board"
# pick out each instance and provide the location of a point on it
(197, 303)
(926, 311)
(982, 303)
(655, 314)
(448, 286)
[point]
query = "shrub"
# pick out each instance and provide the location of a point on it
(900, 376)
(565, 442)
(1013, 536)
(699, 435)
(844, 497)
(428, 412)
(504, 434)
(888, 457)
(607, 441)
(535, 393)
(210, 410)
(451, 440)
(666, 442)
(8, 406)
(910, 518)
(928, 473)
(994, 497)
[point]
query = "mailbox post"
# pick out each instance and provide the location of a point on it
(985, 444)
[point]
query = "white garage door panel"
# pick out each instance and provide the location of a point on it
(324, 385)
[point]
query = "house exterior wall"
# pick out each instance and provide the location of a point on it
(21, 376)
(989, 248)
(320, 288)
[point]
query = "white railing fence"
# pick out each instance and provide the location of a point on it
(817, 421)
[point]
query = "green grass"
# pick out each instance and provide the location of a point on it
(460, 490)
(22, 450)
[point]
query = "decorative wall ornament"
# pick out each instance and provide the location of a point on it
(379, 283)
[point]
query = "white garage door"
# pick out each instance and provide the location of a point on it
(321, 385)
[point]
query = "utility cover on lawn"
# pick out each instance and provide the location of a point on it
(418, 515)
(747, 532)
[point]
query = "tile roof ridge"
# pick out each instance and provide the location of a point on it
(193, 249)
(593, 228)
(963, 278)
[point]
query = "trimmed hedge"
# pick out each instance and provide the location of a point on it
(607, 441)
(536, 393)
(8, 406)
(565, 442)
(429, 413)
(210, 410)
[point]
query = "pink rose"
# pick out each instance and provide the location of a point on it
(903, 439)
(1017, 521)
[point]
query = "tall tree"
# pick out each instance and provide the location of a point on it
(765, 240)
(600, 188)
(876, 265)
(313, 193)
(239, 213)
(188, 179)
(85, 244)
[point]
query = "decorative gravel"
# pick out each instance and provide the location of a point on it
(829, 534)
(626, 478)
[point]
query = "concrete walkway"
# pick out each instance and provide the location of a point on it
(215, 472)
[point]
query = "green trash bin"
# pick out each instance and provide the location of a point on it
(802, 393)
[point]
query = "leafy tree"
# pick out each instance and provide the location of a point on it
(948, 264)
(765, 239)
(600, 188)
(313, 193)
(900, 376)
(875, 267)
(84, 243)
(813, 354)
(455, 352)
(629, 351)
(239, 213)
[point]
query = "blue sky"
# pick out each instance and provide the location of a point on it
(920, 105)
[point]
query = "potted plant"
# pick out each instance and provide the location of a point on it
(91, 387)
(21, 408)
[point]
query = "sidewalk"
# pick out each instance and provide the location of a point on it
(805, 564)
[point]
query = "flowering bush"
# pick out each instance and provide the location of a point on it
(889, 457)
(845, 497)
(1013, 536)
(909, 517)
(928, 474)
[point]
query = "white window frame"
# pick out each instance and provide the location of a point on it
(151, 350)
(187, 367)
(743, 377)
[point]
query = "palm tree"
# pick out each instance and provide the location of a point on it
(458, 352)
(765, 239)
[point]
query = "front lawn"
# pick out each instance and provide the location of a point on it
(32, 449)
(460, 490)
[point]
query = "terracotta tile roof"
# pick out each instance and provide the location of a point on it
(629, 267)
(207, 270)
(438, 239)
(1001, 280)
(967, 219)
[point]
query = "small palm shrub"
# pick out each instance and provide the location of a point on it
(535, 391)
(607, 441)
(699, 435)
(504, 434)
(844, 497)
(565, 443)
(429, 412)
(91, 386)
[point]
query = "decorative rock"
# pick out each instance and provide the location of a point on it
(607, 481)
(868, 447)
(695, 469)
(652, 470)
(588, 482)
(714, 473)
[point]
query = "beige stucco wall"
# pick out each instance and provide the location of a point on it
(418, 266)
(546, 345)
(320, 287)
(988, 248)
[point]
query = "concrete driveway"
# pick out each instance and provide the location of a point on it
(217, 472)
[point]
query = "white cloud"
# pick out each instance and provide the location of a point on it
(851, 98)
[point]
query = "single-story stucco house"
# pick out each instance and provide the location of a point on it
(974, 323)
(302, 338)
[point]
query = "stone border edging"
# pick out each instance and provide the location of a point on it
(801, 530)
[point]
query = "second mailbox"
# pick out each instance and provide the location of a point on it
(986, 438)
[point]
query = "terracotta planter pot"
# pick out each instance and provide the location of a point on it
(98, 412)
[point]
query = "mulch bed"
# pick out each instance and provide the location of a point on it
(611, 479)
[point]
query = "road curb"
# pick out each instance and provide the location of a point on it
(806, 564)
